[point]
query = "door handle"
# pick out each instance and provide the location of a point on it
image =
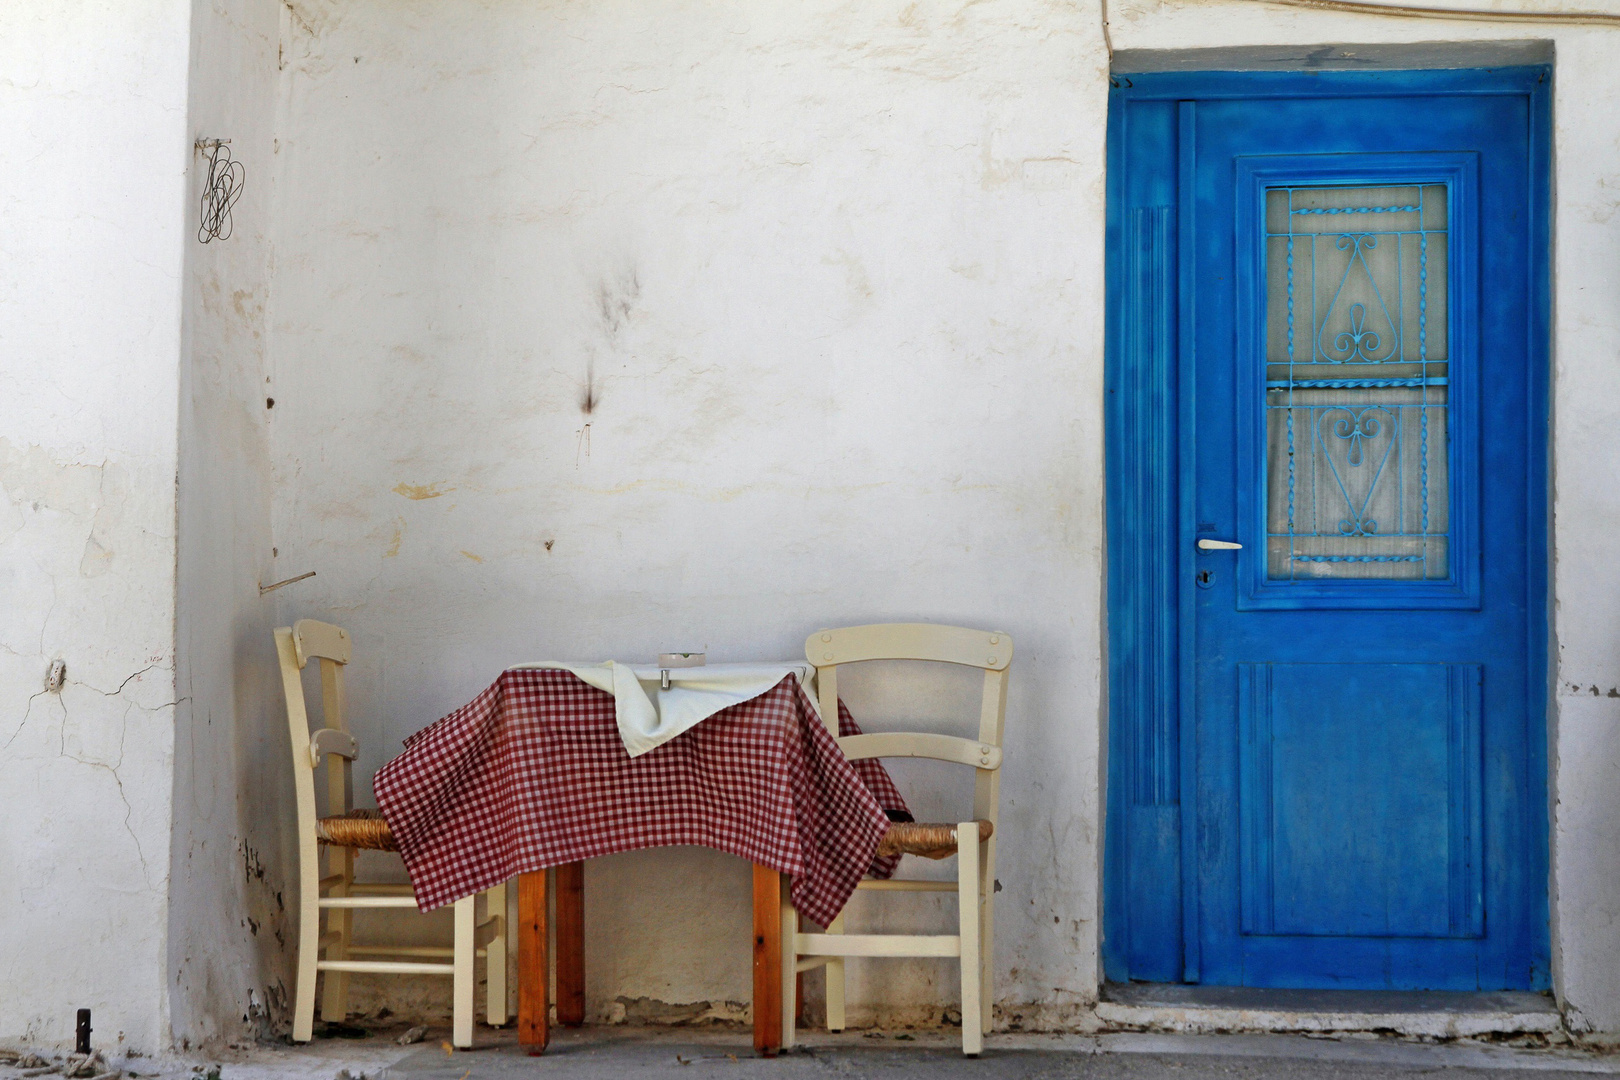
(1217, 545)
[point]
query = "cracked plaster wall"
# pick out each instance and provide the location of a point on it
(234, 855)
(611, 328)
(92, 167)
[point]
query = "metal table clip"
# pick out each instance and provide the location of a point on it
(669, 660)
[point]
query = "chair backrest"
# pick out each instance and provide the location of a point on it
(296, 646)
(989, 650)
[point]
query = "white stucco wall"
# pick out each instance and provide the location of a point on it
(830, 278)
(91, 164)
(233, 856)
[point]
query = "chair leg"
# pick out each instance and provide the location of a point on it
(495, 958)
(461, 990)
(790, 967)
(967, 893)
(987, 934)
(340, 921)
(309, 950)
(835, 982)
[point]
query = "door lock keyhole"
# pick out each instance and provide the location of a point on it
(1205, 578)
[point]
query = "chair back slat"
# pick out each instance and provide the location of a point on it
(331, 741)
(314, 638)
(989, 649)
(921, 744)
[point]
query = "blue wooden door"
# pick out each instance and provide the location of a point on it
(1359, 538)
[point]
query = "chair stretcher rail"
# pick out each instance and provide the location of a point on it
(384, 967)
(877, 945)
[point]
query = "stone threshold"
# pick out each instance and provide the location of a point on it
(1439, 1014)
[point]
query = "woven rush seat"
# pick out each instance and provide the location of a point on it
(929, 841)
(356, 829)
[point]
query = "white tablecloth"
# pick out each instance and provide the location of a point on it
(649, 716)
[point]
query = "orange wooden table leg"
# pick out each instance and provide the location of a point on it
(767, 961)
(571, 944)
(534, 972)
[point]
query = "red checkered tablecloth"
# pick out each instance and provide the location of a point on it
(532, 773)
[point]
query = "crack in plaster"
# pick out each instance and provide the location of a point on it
(26, 712)
(112, 770)
(129, 809)
(120, 690)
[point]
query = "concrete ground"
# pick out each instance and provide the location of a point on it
(686, 1053)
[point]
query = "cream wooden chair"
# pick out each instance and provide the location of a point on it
(345, 831)
(976, 859)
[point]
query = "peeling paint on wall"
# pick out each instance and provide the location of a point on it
(418, 492)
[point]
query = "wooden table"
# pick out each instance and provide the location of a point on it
(763, 779)
(534, 971)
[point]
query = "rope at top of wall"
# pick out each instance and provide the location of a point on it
(221, 189)
(1424, 11)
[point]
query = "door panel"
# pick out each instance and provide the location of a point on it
(1360, 799)
(1333, 314)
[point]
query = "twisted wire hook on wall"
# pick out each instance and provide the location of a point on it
(221, 189)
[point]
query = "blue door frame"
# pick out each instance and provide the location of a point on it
(1181, 857)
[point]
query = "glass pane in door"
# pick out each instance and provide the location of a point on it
(1356, 386)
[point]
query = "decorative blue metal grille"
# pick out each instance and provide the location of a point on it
(1356, 404)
